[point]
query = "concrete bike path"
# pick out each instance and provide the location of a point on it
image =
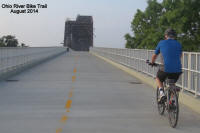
(80, 93)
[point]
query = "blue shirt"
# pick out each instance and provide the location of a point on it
(171, 51)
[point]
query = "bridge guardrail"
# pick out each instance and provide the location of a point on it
(136, 59)
(16, 58)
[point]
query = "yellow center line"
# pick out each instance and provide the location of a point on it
(68, 104)
(74, 70)
(59, 130)
(64, 119)
(73, 78)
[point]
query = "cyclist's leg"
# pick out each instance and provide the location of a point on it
(174, 76)
(159, 83)
(160, 78)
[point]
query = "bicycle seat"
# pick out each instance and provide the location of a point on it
(171, 81)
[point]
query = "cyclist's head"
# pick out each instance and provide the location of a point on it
(170, 33)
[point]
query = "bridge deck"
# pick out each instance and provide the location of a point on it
(104, 100)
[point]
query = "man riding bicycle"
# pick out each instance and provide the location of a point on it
(171, 53)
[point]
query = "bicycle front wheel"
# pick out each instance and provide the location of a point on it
(173, 108)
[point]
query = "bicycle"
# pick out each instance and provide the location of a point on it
(170, 103)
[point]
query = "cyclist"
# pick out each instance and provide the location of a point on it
(171, 53)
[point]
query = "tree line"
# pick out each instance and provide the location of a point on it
(10, 41)
(148, 26)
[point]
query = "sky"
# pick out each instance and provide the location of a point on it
(112, 20)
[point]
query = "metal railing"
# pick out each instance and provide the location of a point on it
(136, 59)
(15, 58)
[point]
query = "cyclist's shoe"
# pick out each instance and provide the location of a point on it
(162, 97)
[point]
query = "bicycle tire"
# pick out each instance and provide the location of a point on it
(173, 108)
(161, 106)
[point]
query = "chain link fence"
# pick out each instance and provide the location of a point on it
(136, 59)
(12, 59)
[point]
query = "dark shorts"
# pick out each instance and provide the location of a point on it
(163, 75)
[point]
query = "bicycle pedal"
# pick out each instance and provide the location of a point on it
(162, 100)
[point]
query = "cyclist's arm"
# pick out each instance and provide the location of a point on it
(156, 53)
(153, 58)
(181, 51)
(181, 55)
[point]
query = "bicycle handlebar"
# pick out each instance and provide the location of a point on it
(152, 64)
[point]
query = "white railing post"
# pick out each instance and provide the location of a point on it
(189, 72)
(183, 71)
(196, 78)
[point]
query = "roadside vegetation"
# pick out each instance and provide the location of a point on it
(148, 26)
(10, 41)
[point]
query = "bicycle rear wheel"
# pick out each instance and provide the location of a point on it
(173, 108)
(160, 105)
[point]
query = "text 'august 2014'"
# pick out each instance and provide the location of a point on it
(24, 8)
